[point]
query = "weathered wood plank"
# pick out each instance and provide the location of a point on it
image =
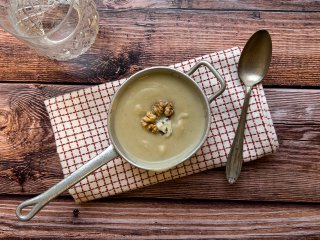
(29, 163)
(292, 174)
(132, 39)
(296, 5)
(163, 219)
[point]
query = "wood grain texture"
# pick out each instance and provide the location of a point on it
(137, 34)
(274, 5)
(132, 39)
(29, 163)
(163, 219)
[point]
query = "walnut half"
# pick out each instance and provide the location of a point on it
(163, 108)
(149, 117)
(149, 122)
(168, 110)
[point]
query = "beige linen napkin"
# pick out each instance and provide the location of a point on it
(79, 122)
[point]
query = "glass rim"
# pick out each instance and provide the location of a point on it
(49, 32)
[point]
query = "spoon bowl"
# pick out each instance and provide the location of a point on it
(253, 66)
(255, 58)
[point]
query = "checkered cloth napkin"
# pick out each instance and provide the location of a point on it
(79, 122)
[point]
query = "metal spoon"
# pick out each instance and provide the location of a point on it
(253, 66)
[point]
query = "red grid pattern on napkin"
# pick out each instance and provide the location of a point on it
(79, 122)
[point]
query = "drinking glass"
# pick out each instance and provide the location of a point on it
(58, 29)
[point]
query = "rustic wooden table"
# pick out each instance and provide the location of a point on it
(276, 197)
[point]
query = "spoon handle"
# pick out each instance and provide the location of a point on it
(235, 158)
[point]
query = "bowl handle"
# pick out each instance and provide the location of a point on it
(38, 202)
(215, 73)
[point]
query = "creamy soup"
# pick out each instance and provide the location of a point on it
(189, 120)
